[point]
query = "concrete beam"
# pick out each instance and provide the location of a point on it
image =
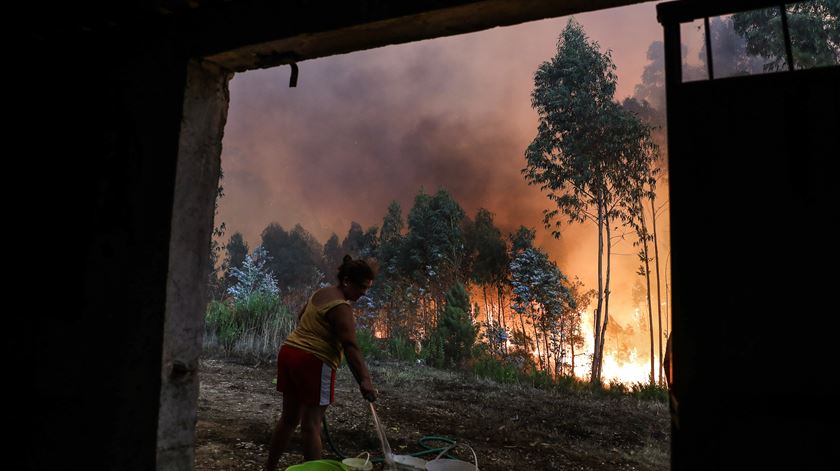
(276, 35)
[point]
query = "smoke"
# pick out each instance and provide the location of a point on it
(652, 86)
(340, 153)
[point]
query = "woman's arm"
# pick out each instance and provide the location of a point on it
(344, 327)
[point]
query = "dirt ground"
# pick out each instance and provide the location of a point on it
(510, 427)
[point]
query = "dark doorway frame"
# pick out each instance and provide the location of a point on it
(218, 48)
(770, 137)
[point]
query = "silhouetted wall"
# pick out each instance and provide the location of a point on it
(751, 197)
(95, 163)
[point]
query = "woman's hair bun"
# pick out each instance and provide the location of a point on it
(356, 270)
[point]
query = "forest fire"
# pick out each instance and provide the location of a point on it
(457, 231)
(626, 367)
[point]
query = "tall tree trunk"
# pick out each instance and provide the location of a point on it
(606, 297)
(502, 320)
(562, 354)
(431, 312)
(524, 335)
(537, 339)
(500, 292)
(658, 299)
(389, 309)
(421, 314)
(486, 309)
(547, 350)
(595, 377)
(643, 236)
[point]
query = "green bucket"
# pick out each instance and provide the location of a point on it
(319, 465)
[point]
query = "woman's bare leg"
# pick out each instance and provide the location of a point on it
(289, 420)
(310, 427)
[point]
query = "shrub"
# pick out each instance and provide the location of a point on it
(616, 387)
(649, 392)
(493, 368)
(369, 344)
(220, 325)
(539, 378)
(252, 326)
(402, 349)
(433, 353)
(253, 276)
(451, 342)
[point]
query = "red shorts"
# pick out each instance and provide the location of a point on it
(304, 376)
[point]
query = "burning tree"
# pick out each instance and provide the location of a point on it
(642, 175)
(489, 267)
(392, 294)
(541, 294)
(571, 335)
(586, 154)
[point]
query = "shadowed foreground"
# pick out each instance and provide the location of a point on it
(509, 426)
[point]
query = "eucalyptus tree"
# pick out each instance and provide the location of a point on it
(490, 259)
(520, 241)
(331, 257)
(571, 324)
(641, 173)
(454, 335)
(814, 34)
(540, 292)
(236, 249)
(390, 294)
(434, 248)
(360, 243)
(649, 104)
(253, 276)
(583, 153)
(295, 259)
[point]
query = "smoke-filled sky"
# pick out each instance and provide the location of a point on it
(362, 129)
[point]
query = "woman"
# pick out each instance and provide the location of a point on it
(308, 359)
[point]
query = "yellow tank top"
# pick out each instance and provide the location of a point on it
(313, 333)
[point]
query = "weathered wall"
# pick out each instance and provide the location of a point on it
(197, 177)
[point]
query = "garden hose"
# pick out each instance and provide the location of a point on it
(428, 450)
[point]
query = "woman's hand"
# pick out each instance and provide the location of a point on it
(367, 389)
(344, 326)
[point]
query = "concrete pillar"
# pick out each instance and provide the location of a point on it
(197, 177)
